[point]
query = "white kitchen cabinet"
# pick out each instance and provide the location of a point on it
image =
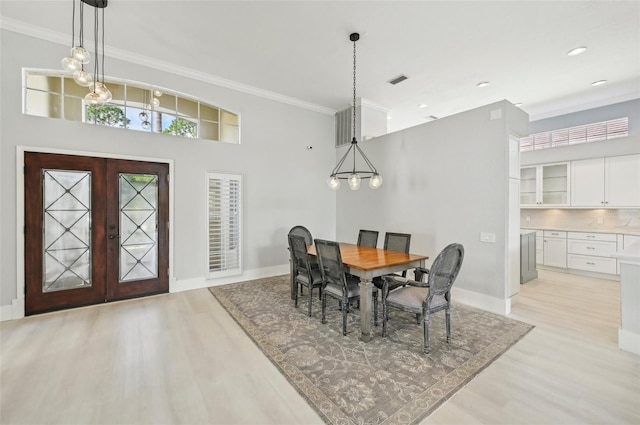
(555, 249)
(612, 182)
(592, 252)
(539, 247)
(545, 185)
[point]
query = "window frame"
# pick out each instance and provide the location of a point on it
(232, 271)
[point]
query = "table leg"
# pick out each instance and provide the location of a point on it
(366, 308)
(293, 285)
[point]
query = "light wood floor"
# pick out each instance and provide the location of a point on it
(179, 358)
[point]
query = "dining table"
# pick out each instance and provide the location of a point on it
(367, 263)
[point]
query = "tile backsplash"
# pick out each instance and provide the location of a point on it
(597, 219)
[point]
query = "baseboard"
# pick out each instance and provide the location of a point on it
(629, 341)
(481, 301)
(13, 311)
(202, 282)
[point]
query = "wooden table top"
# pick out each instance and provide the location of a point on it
(365, 258)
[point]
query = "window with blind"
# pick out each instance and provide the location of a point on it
(224, 224)
(595, 132)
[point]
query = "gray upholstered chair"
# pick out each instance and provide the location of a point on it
(304, 272)
(425, 298)
(335, 282)
(368, 238)
(393, 242)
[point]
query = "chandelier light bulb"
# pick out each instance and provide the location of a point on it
(81, 54)
(71, 64)
(333, 182)
(82, 78)
(92, 99)
(105, 95)
(157, 93)
(375, 181)
(146, 125)
(156, 102)
(354, 181)
(143, 116)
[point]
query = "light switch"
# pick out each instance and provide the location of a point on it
(487, 237)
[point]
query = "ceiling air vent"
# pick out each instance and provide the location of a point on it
(431, 118)
(398, 79)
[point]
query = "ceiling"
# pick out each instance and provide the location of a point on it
(300, 50)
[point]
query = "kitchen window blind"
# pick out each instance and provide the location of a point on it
(594, 132)
(224, 224)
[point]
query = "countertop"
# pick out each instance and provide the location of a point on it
(526, 231)
(635, 231)
(630, 254)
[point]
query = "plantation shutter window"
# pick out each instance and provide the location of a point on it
(224, 223)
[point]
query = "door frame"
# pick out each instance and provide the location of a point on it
(18, 303)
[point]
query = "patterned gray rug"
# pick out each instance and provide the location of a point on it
(386, 381)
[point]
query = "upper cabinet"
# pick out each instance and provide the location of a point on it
(545, 185)
(612, 182)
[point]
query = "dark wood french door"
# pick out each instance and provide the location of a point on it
(96, 230)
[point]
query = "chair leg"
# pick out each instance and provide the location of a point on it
(324, 307)
(384, 318)
(310, 298)
(417, 319)
(375, 308)
(345, 302)
(295, 303)
(426, 332)
(448, 324)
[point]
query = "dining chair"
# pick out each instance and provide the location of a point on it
(368, 238)
(393, 242)
(304, 273)
(335, 282)
(425, 298)
(304, 232)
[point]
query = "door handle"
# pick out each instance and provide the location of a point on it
(113, 236)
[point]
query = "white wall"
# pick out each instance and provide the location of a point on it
(444, 181)
(280, 173)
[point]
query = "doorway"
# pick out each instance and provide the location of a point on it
(96, 230)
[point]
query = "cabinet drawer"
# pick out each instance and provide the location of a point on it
(597, 248)
(592, 264)
(554, 234)
(610, 237)
(630, 240)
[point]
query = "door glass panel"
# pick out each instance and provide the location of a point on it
(66, 230)
(555, 184)
(138, 226)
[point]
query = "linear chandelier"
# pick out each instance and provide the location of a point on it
(99, 93)
(354, 176)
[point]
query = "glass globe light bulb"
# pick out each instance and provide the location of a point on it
(146, 125)
(71, 64)
(156, 102)
(157, 93)
(92, 99)
(143, 116)
(333, 182)
(82, 78)
(97, 86)
(375, 181)
(354, 181)
(105, 95)
(81, 54)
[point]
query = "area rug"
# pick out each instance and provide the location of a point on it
(386, 381)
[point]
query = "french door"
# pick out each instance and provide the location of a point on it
(96, 230)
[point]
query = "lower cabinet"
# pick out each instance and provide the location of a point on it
(555, 249)
(592, 252)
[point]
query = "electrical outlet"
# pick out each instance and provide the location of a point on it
(600, 220)
(528, 218)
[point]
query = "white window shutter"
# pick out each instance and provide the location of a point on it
(224, 224)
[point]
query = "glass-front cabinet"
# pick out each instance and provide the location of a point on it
(545, 185)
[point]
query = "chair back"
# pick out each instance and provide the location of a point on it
(397, 242)
(368, 238)
(444, 269)
(299, 255)
(302, 231)
(330, 261)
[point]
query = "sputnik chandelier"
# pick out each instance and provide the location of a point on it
(80, 56)
(354, 176)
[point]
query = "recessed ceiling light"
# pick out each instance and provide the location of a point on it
(519, 104)
(422, 105)
(577, 51)
(389, 117)
(598, 83)
(482, 84)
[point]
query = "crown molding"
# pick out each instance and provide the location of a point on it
(60, 38)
